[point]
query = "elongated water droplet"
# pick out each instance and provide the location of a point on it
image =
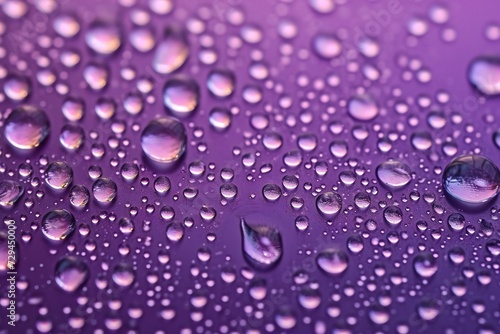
(262, 245)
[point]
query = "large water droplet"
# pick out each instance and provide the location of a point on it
(164, 140)
(58, 224)
(471, 179)
(71, 273)
(26, 127)
(484, 74)
(262, 245)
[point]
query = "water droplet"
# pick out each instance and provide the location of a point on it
(162, 184)
(96, 76)
(164, 140)
(221, 83)
(332, 261)
(26, 127)
(393, 215)
(71, 137)
(175, 232)
(71, 273)
(322, 6)
(181, 95)
(271, 192)
(123, 275)
(10, 192)
(394, 174)
(104, 190)
(362, 108)
(171, 53)
(262, 245)
(484, 74)
(66, 25)
(103, 38)
(59, 175)
(58, 224)
(329, 203)
(327, 46)
(456, 221)
(17, 88)
(220, 118)
(79, 196)
(425, 265)
(471, 179)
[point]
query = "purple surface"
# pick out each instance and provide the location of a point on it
(229, 308)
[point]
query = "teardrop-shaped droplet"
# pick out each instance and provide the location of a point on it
(71, 273)
(171, 53)
(164, 140)
(26, 127)
(471, 179)
(332, 261)
(10, 191)
(262, 245)
(58, 224)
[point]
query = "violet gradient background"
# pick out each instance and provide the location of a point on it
(448, 63)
